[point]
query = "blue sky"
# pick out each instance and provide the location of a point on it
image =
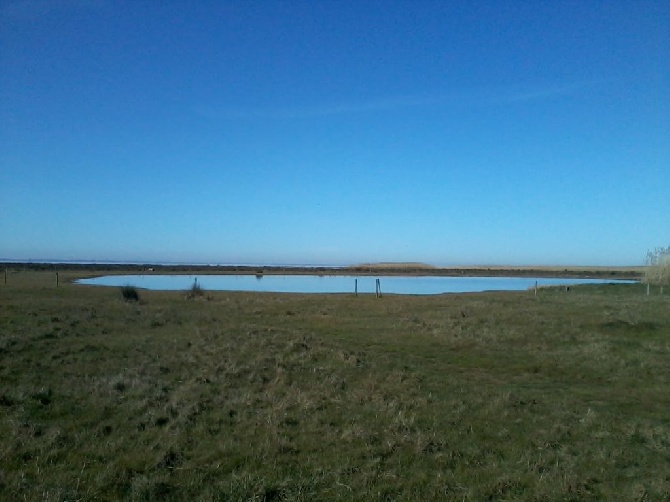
(332, 132)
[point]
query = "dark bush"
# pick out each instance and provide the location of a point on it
(195, 291)
(130, 294)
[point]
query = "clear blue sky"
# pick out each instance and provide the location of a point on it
(333, 132)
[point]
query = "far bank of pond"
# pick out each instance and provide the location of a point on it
(579, 272)
(407, 285)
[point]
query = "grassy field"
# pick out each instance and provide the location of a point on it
(247, 396)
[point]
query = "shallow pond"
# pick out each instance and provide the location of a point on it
(406, 285)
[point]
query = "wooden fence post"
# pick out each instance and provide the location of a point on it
(356, 287)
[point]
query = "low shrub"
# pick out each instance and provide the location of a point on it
(196, 290)
(657, 269)
(130, 293)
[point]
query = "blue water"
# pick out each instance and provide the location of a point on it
(414, 285)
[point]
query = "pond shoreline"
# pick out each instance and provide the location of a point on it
(329, 284)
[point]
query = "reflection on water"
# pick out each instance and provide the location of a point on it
(415, 285)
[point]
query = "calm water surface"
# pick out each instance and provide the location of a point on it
(415, 285)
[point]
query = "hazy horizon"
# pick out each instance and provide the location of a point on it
(312, 264)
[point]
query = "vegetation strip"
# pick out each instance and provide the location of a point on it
(363, 269)
(236, 396)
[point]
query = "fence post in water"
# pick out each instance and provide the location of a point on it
(356, 287)
(378, 289)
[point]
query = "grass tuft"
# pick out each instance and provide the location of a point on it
(130, 293)
(196, 291)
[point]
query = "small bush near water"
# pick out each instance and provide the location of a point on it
(130, 294)
(195, 291)
(657, 269)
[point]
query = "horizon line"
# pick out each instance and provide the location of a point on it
(53, 261)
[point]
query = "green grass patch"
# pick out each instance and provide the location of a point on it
(494, 396)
